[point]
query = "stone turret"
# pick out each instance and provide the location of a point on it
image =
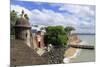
(23, 29)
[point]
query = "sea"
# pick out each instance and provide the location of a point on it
(85, 55)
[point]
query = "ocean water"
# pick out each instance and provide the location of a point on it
(90, 39)
(85, 55)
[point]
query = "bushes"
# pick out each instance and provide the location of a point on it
(56, 36)
(62, 39)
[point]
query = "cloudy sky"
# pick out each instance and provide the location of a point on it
(82, 17)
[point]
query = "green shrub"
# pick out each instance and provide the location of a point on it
(56, 36)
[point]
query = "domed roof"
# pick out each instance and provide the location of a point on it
(22, 21)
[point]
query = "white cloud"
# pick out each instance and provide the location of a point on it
(76, 9)
(85, 13)
(19, 9)
(47, 17)
(79, 10)
(50, 17)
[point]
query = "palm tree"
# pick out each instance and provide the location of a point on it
(13, 19)
(68, 30)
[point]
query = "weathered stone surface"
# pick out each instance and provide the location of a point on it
(22, 28)
(56, 55)
(21, 54)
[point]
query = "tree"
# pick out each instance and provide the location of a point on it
(68, 29)
(56, 36)
(13, 19)
(35, 25)
(42, 28)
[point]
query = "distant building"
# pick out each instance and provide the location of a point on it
(38, 35)
(36, 28)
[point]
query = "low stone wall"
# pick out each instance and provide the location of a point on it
(56, 55)
(82, 46)
(21, 54)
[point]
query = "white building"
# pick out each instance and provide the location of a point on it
(36, 28)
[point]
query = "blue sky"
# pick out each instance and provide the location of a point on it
(82, 17)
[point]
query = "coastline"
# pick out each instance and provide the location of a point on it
(75, 54)
(71, 52)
